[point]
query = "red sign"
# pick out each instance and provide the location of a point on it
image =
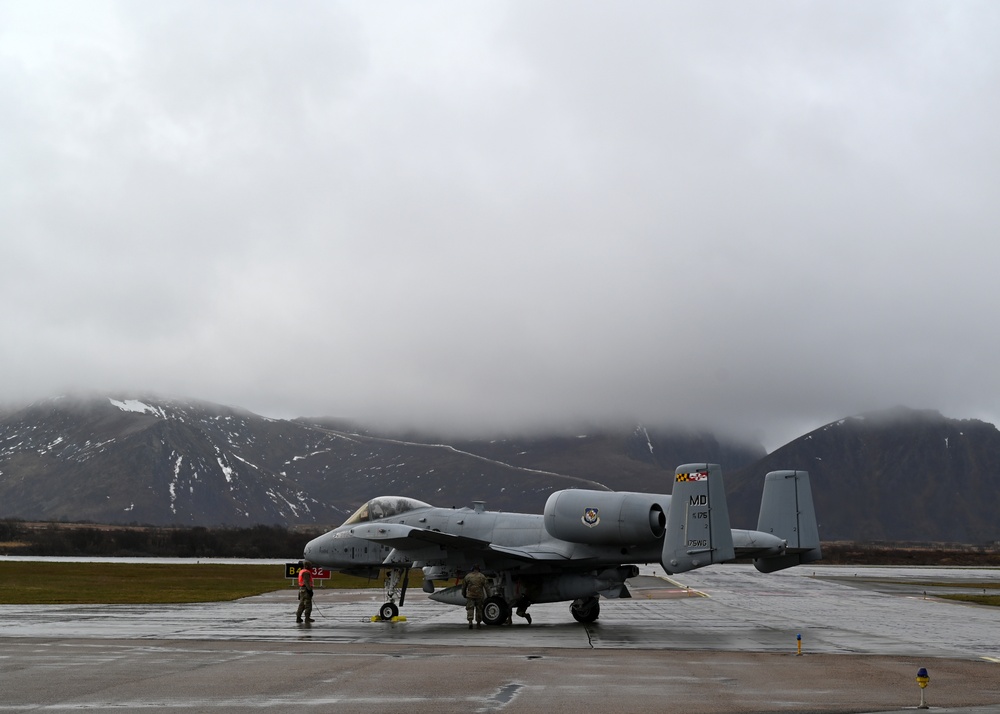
(292, 571)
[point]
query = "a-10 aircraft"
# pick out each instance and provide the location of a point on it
(584, 545)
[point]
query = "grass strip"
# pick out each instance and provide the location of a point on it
(46, 583)
(993, 600)
(987, 585)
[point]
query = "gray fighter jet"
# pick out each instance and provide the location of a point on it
(584, 545)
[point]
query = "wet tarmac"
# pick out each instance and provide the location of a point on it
(721, 639)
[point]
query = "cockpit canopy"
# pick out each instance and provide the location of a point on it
(383, 507)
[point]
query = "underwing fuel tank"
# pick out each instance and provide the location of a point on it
(555, 588)
(606, 517)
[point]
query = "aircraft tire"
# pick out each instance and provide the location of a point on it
(586, 610)
(495, 610)
(388, 611)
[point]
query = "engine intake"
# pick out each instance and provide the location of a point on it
(606, 517)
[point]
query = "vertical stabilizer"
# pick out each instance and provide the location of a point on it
(786, 510)
(698, 531)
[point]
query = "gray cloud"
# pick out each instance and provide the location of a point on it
(752, 216)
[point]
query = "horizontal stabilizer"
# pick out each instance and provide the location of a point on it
(698, 531)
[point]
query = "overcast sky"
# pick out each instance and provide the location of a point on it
(755, 216)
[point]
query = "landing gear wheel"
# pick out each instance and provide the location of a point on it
(586, 609)
(495, 610)
(388, 611)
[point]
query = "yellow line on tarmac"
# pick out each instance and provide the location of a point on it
(690, 590)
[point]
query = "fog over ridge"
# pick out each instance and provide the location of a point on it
(745, 217)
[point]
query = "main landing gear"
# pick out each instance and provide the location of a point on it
(586, 609)
(496, 611)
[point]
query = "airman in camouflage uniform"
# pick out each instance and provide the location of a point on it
(522, 605)
(474, 589)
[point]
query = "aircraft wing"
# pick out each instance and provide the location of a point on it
(542, 551)
(409, 539)
(403, 537)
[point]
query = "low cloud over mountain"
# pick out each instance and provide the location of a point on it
(896, 475)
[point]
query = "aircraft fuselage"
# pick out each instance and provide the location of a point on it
(339, 549)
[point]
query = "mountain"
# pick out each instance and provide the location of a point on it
(152, 461)
(895, 475)
(164, 462)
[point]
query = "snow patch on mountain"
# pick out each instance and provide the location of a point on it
(134, 405)
(227, 470)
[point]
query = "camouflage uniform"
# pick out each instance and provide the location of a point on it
(522, 604)
(522, 608)
(474, 590)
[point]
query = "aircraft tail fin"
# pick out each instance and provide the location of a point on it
(698, 532)
(786, 510)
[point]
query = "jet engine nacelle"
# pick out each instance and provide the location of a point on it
(606, 517)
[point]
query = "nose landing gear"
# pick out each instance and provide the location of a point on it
(396, 580)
